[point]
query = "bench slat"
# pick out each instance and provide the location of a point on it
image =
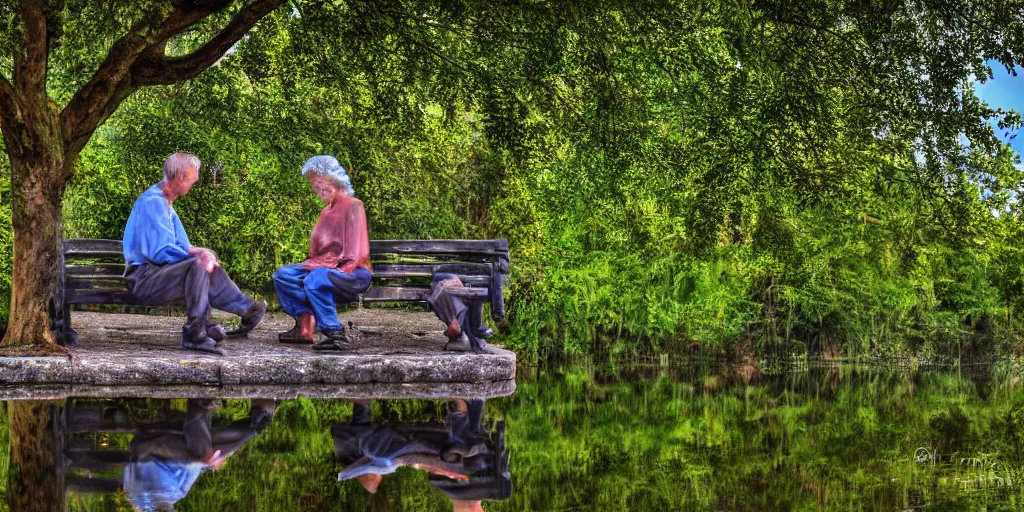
(92, 244)
(495, 247)
(97, 248)
(382, 279)
(124, 297)
(428, 269)
(103, 270)
(397, 294)
(78, 248)
(394, 293)
(115, 284)
(93, 255)
(84, 277)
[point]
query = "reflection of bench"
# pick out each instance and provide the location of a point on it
(403, 269)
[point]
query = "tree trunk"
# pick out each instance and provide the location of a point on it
(43, 140)
(37, 183)
(35, 479)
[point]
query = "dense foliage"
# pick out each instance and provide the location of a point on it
(796, 176)
(682, 439)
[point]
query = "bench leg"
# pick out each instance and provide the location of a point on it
(68, 336)
(60, 320)
(476, 317)
(476, 313)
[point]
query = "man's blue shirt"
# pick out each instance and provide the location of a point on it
(154, 233)
(150, 483)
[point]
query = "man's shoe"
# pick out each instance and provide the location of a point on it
(458, 343)
(261, 412)
(250, 319)
(336, 339)
(216, 332)
(207, 345)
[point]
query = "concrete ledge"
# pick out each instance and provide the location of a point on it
(485, 390)
(394, 353)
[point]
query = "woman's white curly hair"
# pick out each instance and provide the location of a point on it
(328, 166)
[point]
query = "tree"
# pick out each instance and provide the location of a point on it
(43, 139)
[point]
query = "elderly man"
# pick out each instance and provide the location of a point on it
(163, 267)
(338, 264)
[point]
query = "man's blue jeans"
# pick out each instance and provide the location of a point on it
(316, 291)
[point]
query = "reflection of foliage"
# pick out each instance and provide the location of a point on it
(817, 440)
(698, 439)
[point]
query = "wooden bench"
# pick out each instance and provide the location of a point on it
(402, 270)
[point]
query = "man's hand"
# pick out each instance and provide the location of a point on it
(207, 259)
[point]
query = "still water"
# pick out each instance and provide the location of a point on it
(700, 437)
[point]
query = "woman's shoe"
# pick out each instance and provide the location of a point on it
(294, 337)
(335, 339)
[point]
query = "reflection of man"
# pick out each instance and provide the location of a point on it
(162, 267)
(167, 460)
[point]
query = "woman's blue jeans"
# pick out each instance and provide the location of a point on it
(317, 291)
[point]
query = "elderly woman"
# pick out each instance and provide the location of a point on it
(338, 266)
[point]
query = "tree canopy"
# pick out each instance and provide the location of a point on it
(797, 174)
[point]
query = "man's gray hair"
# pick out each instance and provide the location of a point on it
(328, 166)
(178, 163)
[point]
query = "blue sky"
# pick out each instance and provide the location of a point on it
(1007, 92)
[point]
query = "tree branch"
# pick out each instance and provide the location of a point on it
(161, 70)
(128, 59)
(9, 115)
(30, 61)
(8, 105)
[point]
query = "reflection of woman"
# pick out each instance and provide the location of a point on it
(338, 266)
(369, 452)
(460, 459)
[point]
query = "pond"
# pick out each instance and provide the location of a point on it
(703, 436)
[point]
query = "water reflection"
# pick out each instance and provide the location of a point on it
(150, 454)
(714, 437)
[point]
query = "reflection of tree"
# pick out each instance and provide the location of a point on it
(49, 455)
(35, 478)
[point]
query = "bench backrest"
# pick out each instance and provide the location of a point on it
(93, 270)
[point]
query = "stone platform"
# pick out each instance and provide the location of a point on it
(395, 354)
